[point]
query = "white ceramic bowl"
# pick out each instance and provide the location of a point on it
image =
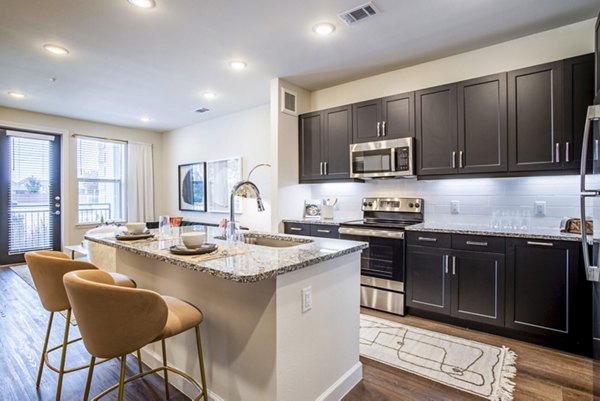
(193, 239)
(135, 228)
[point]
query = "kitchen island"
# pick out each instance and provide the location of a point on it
(258, 343)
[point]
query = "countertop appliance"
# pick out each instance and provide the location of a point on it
(382, 263)
(383, 159)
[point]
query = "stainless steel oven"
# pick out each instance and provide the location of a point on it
(382, 263)
(383, 159)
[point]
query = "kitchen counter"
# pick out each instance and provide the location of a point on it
(541, 233)
(246, 263)
(270, 314)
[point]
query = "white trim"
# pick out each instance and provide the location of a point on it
(31, 135)
(343, 385)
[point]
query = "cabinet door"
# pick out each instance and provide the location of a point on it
(597, 52)
(579, 94)
(540, 282)
(366, 124)
(478, 287)
(398, 116)
(436, 130)
(336, 142)
(324, 230)
(535, 118)
(296, 228)
(427, 279)
(311, 126)
(482, 125)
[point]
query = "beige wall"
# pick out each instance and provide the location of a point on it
(72, 233)
(552, 45)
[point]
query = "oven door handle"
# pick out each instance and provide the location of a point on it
(367, 232)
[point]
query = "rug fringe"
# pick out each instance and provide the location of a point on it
(509, 371)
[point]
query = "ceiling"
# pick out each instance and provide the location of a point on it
(126, 62)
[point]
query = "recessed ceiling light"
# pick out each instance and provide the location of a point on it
(56, 49)
(323, 28)
(209, 95)
(238, 65)
(16, 95)
(143, 3)
(145, 119)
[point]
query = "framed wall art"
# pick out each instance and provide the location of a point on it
(192, 187)
(221, 176)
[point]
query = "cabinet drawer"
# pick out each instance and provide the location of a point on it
(478, 243)
(438, 240)
(324, 230)
(296, 228)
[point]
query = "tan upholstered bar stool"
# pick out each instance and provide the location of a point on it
(115, 321)
(47, 270)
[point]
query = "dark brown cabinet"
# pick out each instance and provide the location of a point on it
(541, 279)
(535, 98)
(312, 229)
(324, 145)
(464, 284)
(387, 118)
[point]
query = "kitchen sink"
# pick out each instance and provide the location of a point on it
(272, 242)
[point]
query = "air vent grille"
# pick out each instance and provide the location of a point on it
(359, 13)
(202, 110)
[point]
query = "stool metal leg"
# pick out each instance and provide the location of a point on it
(139, 358)
(41, 368)
(122, 378)
(164, 355)
(88, 383)
(63, 357)
(201, 361)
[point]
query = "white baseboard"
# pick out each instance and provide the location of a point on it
(343, 385)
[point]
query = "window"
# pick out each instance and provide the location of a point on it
(100, 180)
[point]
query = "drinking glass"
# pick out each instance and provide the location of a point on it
(164, 226)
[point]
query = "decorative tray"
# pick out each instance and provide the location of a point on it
(125, 236)
(182, 250)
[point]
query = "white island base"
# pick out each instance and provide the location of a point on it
(258, 345)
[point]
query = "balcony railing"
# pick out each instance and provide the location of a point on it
(90, 213)
(29, 229)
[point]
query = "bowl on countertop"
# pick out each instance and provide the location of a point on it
(193, 240)
(136, 227)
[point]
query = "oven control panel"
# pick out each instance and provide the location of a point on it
(392, 205)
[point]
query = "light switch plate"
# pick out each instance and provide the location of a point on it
(306, 299)
(539, 208)
(455, 207)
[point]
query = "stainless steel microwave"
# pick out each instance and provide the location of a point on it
(381, 159)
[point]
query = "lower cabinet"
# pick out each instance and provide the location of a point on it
(427, 281)
(312, 229)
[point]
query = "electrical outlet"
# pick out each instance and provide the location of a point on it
(306, 299)
(454, 207)
(539, 208)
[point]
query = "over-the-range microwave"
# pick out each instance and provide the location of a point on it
(383, 159)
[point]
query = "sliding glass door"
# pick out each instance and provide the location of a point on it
(30, 197)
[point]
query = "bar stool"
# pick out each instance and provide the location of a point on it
(47, 270)
(115, 321)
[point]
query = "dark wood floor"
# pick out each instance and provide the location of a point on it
(542, 373)
(23, 323)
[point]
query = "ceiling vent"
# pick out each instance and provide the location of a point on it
(202, 110)
(359, 13)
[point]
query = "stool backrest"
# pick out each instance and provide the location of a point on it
(47, 270)
(114, 320)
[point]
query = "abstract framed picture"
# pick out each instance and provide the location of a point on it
(192, 187)
(221, 176)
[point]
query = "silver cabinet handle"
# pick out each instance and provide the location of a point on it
(596, 150)
(378, 128)
(383, 128)
(460, 159)
(557, 153)
(325, 168)
(324, 231)
(535, 243)
(321, 168)
(476, 243)
(295, 229)
(454, 265)
(567, 152)
(427, 239)
(446, 257)
(453, 159)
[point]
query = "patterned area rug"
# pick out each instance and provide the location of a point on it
(477, 368)
(23, 272)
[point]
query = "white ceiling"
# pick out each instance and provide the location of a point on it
(126, 62)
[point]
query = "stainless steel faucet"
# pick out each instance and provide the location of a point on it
(245, 189)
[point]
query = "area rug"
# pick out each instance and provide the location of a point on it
(470, 366)
(23, 272)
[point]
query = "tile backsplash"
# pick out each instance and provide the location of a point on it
(478, 198)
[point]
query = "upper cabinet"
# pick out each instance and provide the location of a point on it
(387, 118)
(324, 145)
(535, 118)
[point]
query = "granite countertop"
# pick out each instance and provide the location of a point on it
(330, 222)
(245, 263)
(543, 233)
